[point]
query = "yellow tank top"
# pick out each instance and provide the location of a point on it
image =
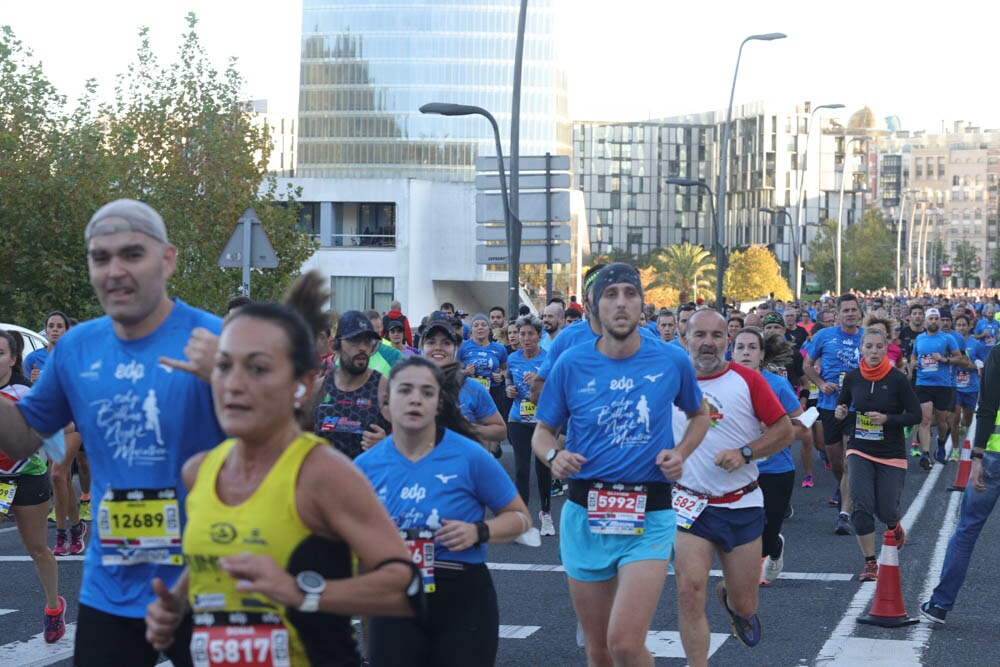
(265, 523)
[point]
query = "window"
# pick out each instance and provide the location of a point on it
(360, 293)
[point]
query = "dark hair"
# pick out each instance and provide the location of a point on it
(777, 351)
(238, 302)
(963, 316)
(753, 331)
(523, 310)
(686, 308)
(447, 305)
(58, 313)
(665, 312)
(449, 380)
(844, 298)
(917, 306)
(500, 308)
(557, 299)
(16, 344)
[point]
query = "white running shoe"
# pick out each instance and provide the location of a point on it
(547, 526)
(529, 538)
(772, 568)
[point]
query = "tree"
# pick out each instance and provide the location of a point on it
(867, 253)
(754, 274)
(966, 264)
(661, 297)
(687, 268)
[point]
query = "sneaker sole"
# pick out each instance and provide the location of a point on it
(931, 618)
(720, 594)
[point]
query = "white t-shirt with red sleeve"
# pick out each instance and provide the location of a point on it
(739, 401)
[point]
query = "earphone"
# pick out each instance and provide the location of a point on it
(300, 391)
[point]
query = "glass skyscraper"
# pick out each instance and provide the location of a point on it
(368, 66)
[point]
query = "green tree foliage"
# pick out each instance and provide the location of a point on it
(965, 268)
(178, 137)
(754, 274)
(686, 268)
(867, 252)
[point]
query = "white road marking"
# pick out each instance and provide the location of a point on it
(518, 631)
(7, 611)
(921, 633)
(667, 643)
(36, 653)
(27, 559)
(834, 651)
(797, 576)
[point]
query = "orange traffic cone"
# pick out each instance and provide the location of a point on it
(887, 609)
(964, 468)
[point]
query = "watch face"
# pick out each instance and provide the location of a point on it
(747, 452)
(311, 582)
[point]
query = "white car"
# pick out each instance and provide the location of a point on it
(32, 340)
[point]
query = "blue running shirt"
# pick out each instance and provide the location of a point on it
(932, 373)
(619, 411)
(487, 359)
(475, 401)
(838, 352)
(139, 420)
(782, 461)
(517, 366)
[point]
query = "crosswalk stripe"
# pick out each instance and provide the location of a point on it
(796, 576)
(36, 653)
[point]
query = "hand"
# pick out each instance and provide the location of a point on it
(567, 463)
(730, 460)
(260, 574)
(976, 476)
(497, 376)
(34, 374)
(200, 353)
(456, 535)
(511, 391)
(374, 435)
(529, 377)
(163, 615)
(671, 464)
(470, 370)
(840, 411)
(829, 388)
(877, 417)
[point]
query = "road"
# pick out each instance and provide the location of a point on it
(808, 615)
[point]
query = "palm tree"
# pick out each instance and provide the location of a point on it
(686, 268)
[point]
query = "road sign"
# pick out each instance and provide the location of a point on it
(528, 233)
(530, 254)
(524, 163)
(526, 182)
(531, 207)
(261, 253)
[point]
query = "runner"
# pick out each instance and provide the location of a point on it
(554, 319)
(882, 403)
(962, 366)
(101, 374)
(436, 483)
(837, 349)
(967, 381)
(524, 365)
(933, 354)
(719, 506)
(791, 371)
(486, 362)
(274, 516)
(616, 395)
(666, 325)
(25, 493)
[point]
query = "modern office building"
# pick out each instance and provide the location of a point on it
(367, 67)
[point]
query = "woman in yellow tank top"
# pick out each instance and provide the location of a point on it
(273, 516)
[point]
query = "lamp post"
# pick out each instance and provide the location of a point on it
(776, 210)
(899, 239)
(720, 206)
(838, 263)
(512, 226)
(720, 252)
(799, 212)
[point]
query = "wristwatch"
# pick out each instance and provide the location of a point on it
(747, 453)
(551, 456)
(977, 455)
(312, 584)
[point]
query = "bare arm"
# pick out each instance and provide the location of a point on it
(17, 439)
(536, 389)
(490, 429)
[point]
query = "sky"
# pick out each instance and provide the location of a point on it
(926, 63)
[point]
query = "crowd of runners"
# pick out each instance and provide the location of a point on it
(285, 485)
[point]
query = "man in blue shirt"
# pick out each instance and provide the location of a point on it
(618, 527)
(838, 350)
(934, 352)
(141, 415)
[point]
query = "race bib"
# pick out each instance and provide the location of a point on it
(928, 363)
(483, 381)
(140, 526)
(7, 492)
(813, 392)
(962, 379)
(687, 507)
(527, 411)
(239, 640)
(865, 429)
(420, 542)
(611, 512)
(840, 379)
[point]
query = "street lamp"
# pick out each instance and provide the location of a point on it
(720, 207)
(720, 253)
(802, 197)
(773, 210)
(840, 212)
(512, 226)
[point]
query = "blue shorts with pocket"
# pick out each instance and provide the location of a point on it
(728, 528)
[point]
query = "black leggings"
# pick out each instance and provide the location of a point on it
(875, 490)
(461, 630)
(777, 489)
(519, 435)
(104, 639)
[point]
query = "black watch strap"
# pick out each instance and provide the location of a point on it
(483, 532)
(977, 455)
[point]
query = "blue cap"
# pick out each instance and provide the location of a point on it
(353, 323)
